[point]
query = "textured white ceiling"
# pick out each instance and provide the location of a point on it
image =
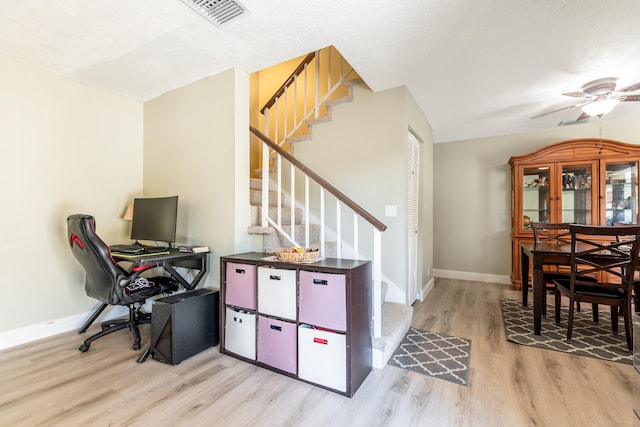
(477, 68)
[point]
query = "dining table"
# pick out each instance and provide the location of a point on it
(546, 254)
(540, 254)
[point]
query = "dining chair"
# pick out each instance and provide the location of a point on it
(611, 255)
(553, 234)
(636, 278)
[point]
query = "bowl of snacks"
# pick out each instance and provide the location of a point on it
(296, 254)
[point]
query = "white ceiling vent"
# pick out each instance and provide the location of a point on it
(217, 11)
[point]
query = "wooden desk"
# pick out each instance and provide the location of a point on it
(541, 254)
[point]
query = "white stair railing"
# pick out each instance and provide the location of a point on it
(302, 94)
(299, 171)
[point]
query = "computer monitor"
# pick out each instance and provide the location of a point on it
(155, 218)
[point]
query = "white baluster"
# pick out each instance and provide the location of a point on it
(338, 230)
(279, 192)
(321, 222)
(265, 184)
(295, 101)
(356, 252)
(285, 114)
(292, 200)
(317, 99)
(306, 211)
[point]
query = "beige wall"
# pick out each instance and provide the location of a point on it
(472, 193)
(64, 148)
(363, 152)
(196, 145)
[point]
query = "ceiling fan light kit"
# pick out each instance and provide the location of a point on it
(601, 106)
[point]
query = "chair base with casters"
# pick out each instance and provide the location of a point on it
(161, 285)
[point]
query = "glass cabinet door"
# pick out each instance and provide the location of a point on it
(577, 194)
(535, 196)
(621, 192)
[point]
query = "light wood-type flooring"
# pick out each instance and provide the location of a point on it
(51, 383)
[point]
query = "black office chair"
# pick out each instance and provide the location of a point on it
(109, 283)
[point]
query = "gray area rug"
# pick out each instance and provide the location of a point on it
(588, 338)
(436, 355)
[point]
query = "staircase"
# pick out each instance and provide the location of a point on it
(282, 204)
(271, 238)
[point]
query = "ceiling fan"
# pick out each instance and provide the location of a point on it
(599, 98)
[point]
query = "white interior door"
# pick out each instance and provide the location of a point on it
(413, 181)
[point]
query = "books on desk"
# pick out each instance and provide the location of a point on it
(193, 249)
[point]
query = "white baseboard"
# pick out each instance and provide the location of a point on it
(472, 277)
(428, 287)
(30, 333)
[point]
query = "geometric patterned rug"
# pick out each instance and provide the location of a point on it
(439, 356)
(587, 339)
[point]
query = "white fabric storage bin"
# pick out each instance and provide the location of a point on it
(240, 333)
(322, 357)
(323, 300)
(277, 292)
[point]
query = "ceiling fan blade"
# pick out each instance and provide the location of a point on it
(554, 111)
(631, 88)
(581, 119)
(630, 98)
(575, 94)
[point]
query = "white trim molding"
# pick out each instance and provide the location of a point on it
(428, 287)
(30, 333)
(472, 277)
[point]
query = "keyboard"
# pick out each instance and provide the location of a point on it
(136, 249)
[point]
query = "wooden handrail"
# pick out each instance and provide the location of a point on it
(317, 178)
(287, 82)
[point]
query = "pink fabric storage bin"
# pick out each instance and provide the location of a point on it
(323, 300)
(322, 357)
(240, 289)
(277, 343)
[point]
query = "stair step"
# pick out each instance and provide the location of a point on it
(256, 184)
(256, 215)
(396, 320)
(274, 241)
(255, 198)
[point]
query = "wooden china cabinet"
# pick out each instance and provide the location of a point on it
(587, 181)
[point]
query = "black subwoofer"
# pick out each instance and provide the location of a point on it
(183, 325)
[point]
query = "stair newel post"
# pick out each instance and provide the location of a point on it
(321, 222)
(292, 197)
(377, 279)
(279, 202)
(338, 230)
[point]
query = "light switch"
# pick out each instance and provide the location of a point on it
(391, 210)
